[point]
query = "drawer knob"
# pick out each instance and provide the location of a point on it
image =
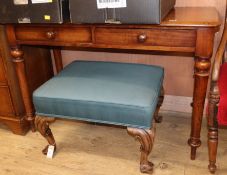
(51, 35)
(142, 38)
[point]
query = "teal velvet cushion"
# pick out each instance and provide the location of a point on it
(103, 92)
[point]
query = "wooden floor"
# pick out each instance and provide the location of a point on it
(85, 149)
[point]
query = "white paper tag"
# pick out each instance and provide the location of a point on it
(111, 4)
(20, 2)
(50, 151)
(41, 1)
(24, 20)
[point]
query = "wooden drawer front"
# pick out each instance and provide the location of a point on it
(152, 37)
(2, 72)
(6, 106)
(57, 34)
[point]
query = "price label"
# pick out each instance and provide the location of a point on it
(111, 4)
(41, 1)
(50, 151)
(20, 2)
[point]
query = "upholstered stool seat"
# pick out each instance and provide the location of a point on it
(114, 93)
(104, 92)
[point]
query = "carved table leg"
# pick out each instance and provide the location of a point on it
(157, 117)
(42, 125)
(202, 67)
(146, 139)
(213, 126)
(17, 55)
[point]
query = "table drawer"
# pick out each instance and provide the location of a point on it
(57, 34)
(152, 37)
(6, 107)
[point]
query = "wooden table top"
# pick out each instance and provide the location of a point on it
(193, 16)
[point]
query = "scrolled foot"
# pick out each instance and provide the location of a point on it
(146, 139)
(147, 168)
(42, 125)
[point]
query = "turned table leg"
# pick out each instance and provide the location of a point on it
(212, 123)
(17, 55)
(42, 125)
(202, 67)
(146, 139)
(203, 53)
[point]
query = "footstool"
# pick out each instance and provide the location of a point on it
(104, 92)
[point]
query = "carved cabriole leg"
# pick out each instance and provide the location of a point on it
(42, 125)
(17, 55)
(157, 117)
(213, 126)
(146, 139)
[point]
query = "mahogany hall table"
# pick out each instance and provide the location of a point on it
(185, 29)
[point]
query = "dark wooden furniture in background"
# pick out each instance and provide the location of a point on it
(39, 70)
(189, 30)
(214, 98)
